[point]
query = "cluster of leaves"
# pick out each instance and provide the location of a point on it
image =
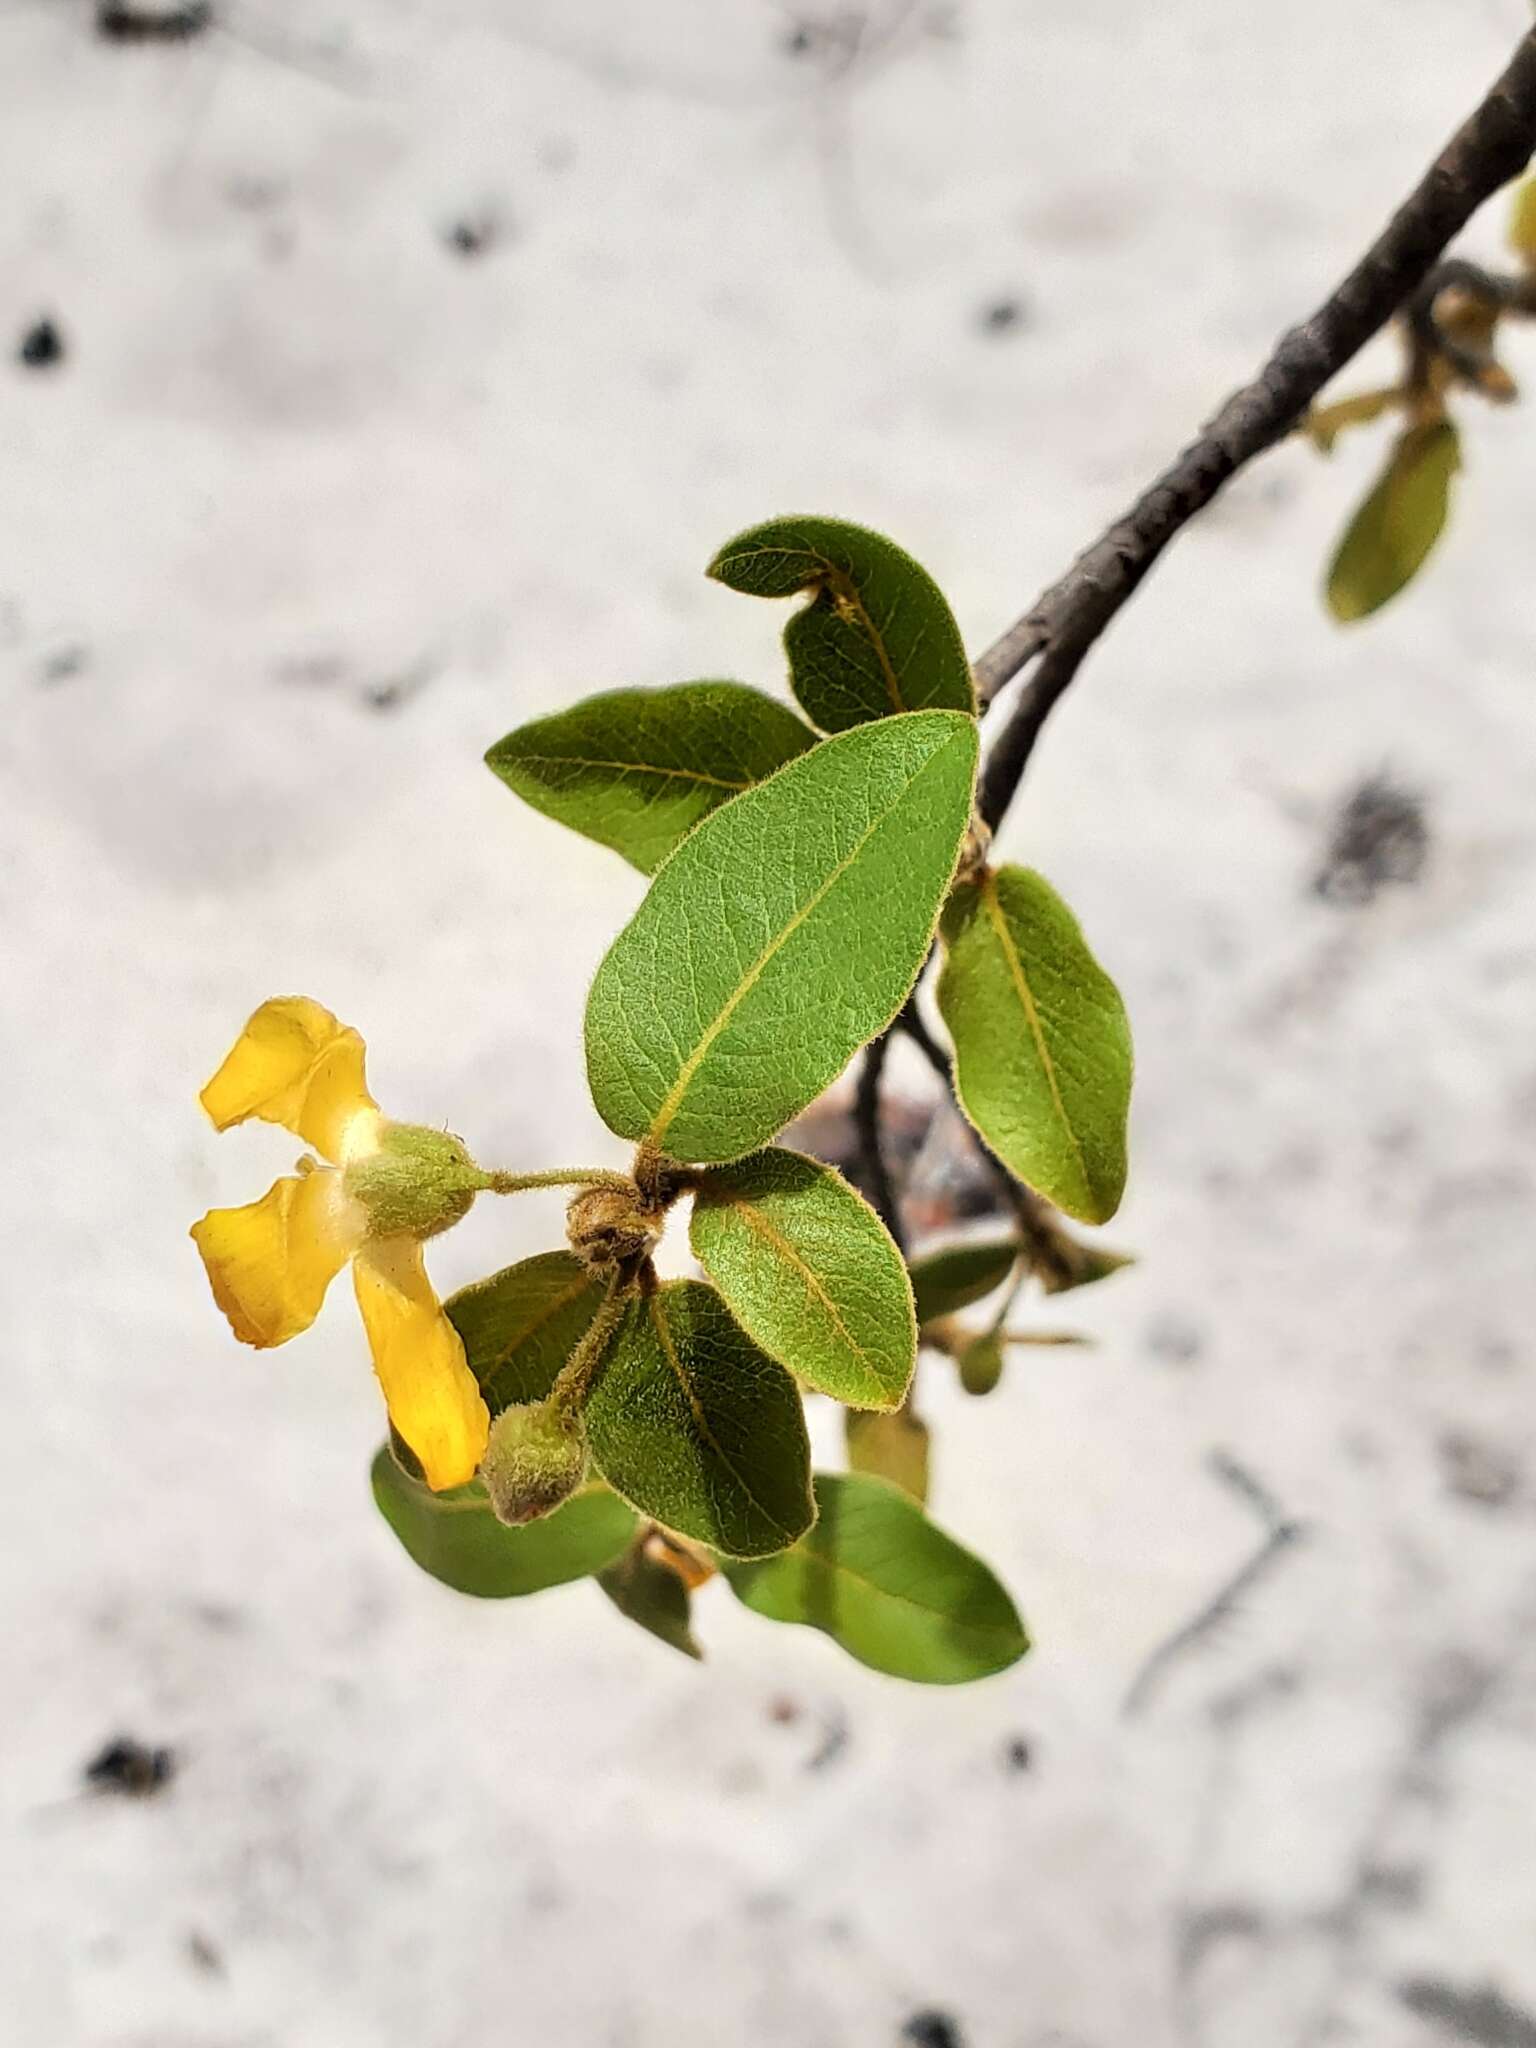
(1450, 347)
(801, 874)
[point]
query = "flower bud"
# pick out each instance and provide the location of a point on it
(536, 1458)
(415, 1183)
(606, 1226)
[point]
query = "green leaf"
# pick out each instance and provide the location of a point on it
(698, 1429)
(893, 1447)
(637, 769)
(888, 1587)
(1081, 1265)
(785, 931)
(981, 1363)
(520, 1326)
(957, 1275)
(1390, 537)
(653, 1595)
(1042, 1047)
(455, 1537)
(809, 1271)
(877, 636)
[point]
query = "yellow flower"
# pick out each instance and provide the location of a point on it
(388, 1186)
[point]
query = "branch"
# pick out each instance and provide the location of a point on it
(1493, 147)
(866, 1124)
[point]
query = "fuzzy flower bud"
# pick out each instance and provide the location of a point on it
(536, 1458)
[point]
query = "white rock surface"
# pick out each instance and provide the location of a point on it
(314, 508)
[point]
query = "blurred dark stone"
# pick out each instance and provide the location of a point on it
(1483, 2016)
(41, 346)
(1002, 316)
(1017, 1754)
(137, 21)
(933, 2029)
(130, 1767)
(1379, 838)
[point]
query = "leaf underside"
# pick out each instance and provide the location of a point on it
(889, 1587)
(894, 1447)
(455, 1538)
(652, 1595)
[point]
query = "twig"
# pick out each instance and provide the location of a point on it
(1280, 1534)
(866, 1123)
(1489, 150)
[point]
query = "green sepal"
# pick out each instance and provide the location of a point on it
(456, 1538)
(877, 637)
(888, 1586)
(636, 770)
(417, 1183)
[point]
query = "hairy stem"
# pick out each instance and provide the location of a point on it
(556, 1177)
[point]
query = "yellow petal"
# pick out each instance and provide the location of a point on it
(430, 1392)
(270, 1263)
(295, 1065)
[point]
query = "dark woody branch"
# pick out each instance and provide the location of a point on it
(1397, 272)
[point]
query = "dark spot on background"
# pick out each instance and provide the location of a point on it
(1483, 2016)
(1478, 1470)
(473, 234)
(140, 21)
(1175, 1338)
(63, 663)
(1018, 1754)
(129, 1767)
(42, 346)
(933, 2029)
(1379, 838)
(1002, 316)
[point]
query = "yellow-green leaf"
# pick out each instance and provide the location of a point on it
(698, 1428)
(894, 1447)
(888, 1587)
(1391, 536)
(1522, 221)
(455, 1537)
(637, 769)
(811, 1274)
(786, 930)
(876, 638)
(1042, 1046)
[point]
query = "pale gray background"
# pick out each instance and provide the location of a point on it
(315, 509)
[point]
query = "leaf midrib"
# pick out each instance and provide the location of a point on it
(679, 1089)
(701, 1420)
(992, 904)
(632, 768)
(756, 1220)
(987, 1631)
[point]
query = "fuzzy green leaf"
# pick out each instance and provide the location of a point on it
(1042, 1046)
(1390, 537)
(455, 1537)
(811, 1274)
(877, 636)
(893, 1447)
(888, 1587)
(652, 1595)
(521, 1325)
(952, 1278)
(637, 769)
(698, 1428)
(785, 931)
